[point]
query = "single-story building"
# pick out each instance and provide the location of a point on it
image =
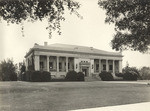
(61, 58)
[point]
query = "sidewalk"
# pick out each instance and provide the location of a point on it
(132, 82)
(128, 107)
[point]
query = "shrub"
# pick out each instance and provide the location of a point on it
(145, 73)
(23, 76)
(80, 76)
(119, 74)
(71, 76)
(36, 76)
(46, 77)
(130, 76)
(130, 73)
(106, 76)
(8, 71)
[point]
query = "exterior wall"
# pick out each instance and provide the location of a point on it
(60, 63)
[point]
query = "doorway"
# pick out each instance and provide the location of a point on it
(85, 71)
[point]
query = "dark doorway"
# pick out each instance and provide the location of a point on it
(85, 70)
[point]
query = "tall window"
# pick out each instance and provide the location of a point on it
(97, 67)
(60, 66)
(68, 66)
(110, 67)
(41, 66)
(51, 65)
(104, 67)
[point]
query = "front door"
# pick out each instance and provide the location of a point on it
(85, 71)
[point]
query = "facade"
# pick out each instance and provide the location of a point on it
(61, 58)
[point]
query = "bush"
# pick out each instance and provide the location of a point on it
(80, 76)
(130, 73)
(8, 71)
(46, 77)
(106, 76)
(145, 73)
(23, 76)
(71, 76)
(119, 74)
(36, 76)
(130, 76)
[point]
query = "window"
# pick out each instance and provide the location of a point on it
(97, 67)
(51, 65)
(68, 66)
(110, 67)
(41, 65)
(60, 66)
(104, 67)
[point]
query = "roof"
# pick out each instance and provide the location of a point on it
(72, 48)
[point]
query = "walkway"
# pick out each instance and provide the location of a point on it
(129, 107)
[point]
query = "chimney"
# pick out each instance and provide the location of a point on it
(36, 44)
(91, 48)
(45, 43)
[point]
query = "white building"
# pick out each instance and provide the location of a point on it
(61, 58)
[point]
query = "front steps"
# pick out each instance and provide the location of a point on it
(90, 79)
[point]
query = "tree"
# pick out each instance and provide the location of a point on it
(132, 23)
(130, 73)
(18, 11)
(8, 70)
(145, 73)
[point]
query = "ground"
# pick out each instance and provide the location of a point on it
(62, 96)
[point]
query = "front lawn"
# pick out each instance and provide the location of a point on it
(62, 96)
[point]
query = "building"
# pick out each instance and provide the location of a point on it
(61, 58)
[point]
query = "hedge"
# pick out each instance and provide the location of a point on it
(36, 76)
(80, 76)
(71, 76)
(106, 76)
(119, 74)
(130, 76)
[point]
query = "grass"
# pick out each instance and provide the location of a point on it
(62, 96)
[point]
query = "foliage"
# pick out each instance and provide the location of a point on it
(8, 71)
(18, 11)
(36, 76)
(71, 76)
(131, 73)
(23, 68)
(106, 76)
(130, 76)
(145, 73)
(132, 23)
(80, 76)
(119, 74)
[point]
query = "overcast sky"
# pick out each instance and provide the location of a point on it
(89, 31)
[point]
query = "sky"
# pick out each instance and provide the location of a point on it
(90, 31)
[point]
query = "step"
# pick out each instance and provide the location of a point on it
(88, 79)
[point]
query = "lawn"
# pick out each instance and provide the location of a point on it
(62, 96)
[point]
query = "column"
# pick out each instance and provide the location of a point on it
(76, 64)
(92, 66)
(120, 66)
(57, 63)
(37, 62)
(107, 67)
(66, 64)
(113, 66)
(48, 63)
(100, 70)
